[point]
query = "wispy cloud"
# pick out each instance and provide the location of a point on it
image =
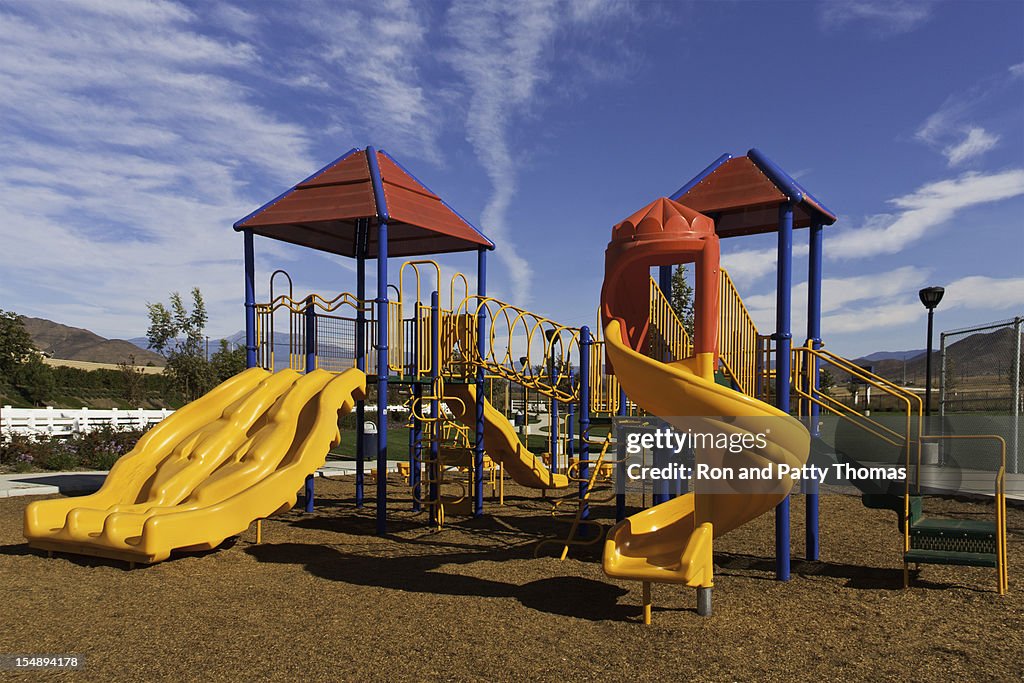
(498, 52)
(928, 207)
(840, 293)
(126, 139)
(888, 300)
(975, 143)
(953, 129)
(370, 56)
(886, 18)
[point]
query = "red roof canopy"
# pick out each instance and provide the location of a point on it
(322, 212)
(744, 200)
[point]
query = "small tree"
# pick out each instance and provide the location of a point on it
(177, 334)
(826, 380)
(227, 362)
(681, 298)
(35, 380)
(15, 343)
(132, 378)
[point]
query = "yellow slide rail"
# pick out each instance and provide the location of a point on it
(737, 336)
(669, 340)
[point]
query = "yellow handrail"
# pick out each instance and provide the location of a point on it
(737, 336)
(803, 385)
(669, 340)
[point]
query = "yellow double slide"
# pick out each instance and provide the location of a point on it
(238, 454)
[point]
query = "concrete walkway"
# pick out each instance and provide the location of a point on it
(78, 483)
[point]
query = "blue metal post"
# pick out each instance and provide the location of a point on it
(250, 300)
(620, 469)
(310, 314)
(481, 345)
(814, 339)
(783, 304)
(435, 405)
(360, 358)
(382, 340)
(382, 377)
(585, 346)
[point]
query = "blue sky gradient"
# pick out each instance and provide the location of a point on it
(134, 133)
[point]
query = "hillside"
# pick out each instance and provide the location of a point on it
(73, 343)
(985, 354)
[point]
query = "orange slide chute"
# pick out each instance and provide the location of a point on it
(671, 542)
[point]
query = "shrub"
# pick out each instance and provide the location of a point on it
(100, 448)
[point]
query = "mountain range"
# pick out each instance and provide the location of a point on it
(74, 343)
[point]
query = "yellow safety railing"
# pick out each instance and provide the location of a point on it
(547, 347)
(806, 362)
(669, 339)
(604, 388)
(737, 336)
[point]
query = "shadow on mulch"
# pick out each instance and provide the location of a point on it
(24, 550)
(857, 577)
(561, 595)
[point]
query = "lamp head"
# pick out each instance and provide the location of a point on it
(931, 296)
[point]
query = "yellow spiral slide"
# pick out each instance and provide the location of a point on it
(672, 542)
(237, 454)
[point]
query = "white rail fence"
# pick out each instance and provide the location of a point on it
(66, 421)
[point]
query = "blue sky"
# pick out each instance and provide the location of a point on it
(134, 133)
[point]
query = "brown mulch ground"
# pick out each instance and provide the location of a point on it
(322, 598)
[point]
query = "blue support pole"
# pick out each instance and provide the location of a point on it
(783, 336)
(360, 359)
(382, 377)
(310, 315)
(620, 469)
(382, 340)
(814, 268)
(435, 405)
(585, 345)
(481, 345)
(250, 300)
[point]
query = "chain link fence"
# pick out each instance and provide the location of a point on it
(980, 375)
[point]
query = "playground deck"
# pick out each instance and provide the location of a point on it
(324, 598)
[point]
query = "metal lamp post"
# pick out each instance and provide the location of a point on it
(930, 297)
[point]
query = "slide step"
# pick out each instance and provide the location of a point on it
(962, 559)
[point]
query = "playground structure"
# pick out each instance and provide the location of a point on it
(365, 205)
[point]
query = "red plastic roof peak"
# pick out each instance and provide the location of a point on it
(322, 212)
